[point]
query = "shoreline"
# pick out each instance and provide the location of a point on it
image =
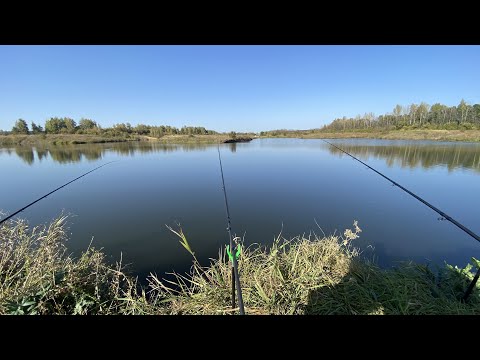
(435, 135)
(75, 139)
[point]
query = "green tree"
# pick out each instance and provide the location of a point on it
(233, 135)
(54, 125)
(70, 125)
(36, 129)
(422, 111)
(87, 124)
(20, 127)
(438, 113)
(412, 112)
(157, 131)
(476, 112)
(141, 129)
(122, 128)
(397, 111)
(464, 109)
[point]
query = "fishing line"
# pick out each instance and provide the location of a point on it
(51, 192)
(443, 215)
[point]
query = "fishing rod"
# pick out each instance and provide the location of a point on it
(51, 192)
(444, 215)
(233, 256)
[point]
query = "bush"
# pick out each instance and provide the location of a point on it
(303, 275)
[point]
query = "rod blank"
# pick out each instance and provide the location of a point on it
(444, 215)
(235, 275)
(51, 192)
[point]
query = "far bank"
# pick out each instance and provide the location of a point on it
(71, 139)
(423, 134)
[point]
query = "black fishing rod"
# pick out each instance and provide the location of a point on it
(51, 192)
(444, 215)
(233, 256)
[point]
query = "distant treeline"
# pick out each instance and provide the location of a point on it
(437, 116)
(415, 116)
(65, 125)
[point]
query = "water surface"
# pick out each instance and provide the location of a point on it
(273, 185)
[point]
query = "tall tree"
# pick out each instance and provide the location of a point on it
(54, 125)
(20, 127)
(397, 112)
(463, 108)
(36, 129)
(422, 111)
(413, 113)
(70, 125)
(86, 124)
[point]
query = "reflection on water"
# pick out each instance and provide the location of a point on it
(25, 153)
(404, 154)
(426, 155)
(75, 153)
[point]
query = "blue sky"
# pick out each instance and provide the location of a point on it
(242, 88)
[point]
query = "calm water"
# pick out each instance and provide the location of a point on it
(271, 184)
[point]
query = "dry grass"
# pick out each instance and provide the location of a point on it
(438, 135)
(195, 139)
(37, 276)
(65, 139)
(303, 275)
(59, 139)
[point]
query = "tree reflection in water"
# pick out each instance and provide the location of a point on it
(413, 155)
(64, 154)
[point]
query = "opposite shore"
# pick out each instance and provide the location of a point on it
(72, 139)
(66, 139)
(420, 134)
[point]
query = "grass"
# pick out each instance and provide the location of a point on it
(60, 139)
(302, 275)
(412, 134)
(66, 139)
(195, 139)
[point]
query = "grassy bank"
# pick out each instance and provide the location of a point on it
(195, 139)
(68, 139)
(420, 134)
(60, 139)
(303, 275)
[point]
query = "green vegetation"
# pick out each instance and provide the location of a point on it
(437, 135)
(20, 127)
(36, 129)
(43, 140)
(415, 122)
(65, 125)
(303, 275)
(422, 116)
(201, 139)
(61, 131)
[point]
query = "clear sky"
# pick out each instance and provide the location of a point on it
(242, 88)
